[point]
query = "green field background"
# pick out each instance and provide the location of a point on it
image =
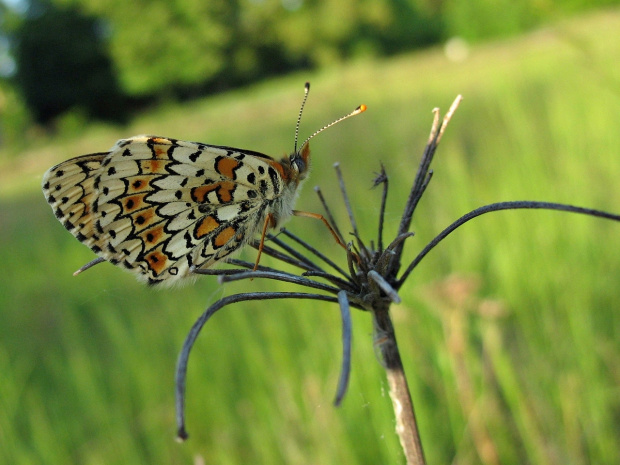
(509, 330)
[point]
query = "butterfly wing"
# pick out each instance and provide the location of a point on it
(158, 206)
(69, 189)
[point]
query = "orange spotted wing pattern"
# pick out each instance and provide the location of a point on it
(160, 207)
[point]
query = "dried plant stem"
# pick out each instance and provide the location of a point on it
(406, 424)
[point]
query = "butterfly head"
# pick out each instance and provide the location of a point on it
(296, 166)
(300, 162)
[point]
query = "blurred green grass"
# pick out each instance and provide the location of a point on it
(509, 330)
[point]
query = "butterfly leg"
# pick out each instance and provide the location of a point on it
(269, 221)
(316, 216)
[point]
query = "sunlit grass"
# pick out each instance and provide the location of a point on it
(515, 356)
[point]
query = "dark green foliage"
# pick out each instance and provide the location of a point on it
(159, 50)
(182, 46)
(62, 64)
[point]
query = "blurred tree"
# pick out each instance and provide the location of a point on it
(62, 64)
(170, 47)
(166, 46)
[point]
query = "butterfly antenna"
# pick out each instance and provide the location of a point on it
(357, 111)
(301, 110)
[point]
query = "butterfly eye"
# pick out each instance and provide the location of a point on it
(298, 163)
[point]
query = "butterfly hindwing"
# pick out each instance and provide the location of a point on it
(69, 189)
(158, 206)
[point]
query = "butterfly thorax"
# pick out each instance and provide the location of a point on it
(294, 170)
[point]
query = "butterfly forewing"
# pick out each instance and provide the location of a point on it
(159, 206)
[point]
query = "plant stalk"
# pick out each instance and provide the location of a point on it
(406, 424)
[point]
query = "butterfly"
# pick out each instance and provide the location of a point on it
(162, 207)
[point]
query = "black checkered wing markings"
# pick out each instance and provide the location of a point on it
(188, 164)
(210, 251)
(123, 184)
(245, 167)
(69, 189)
(222, 199)
(191, 166)
(193, 229)
(204, 233)
(179, 249)
(208, 232)
(142, 147)
(100, 191)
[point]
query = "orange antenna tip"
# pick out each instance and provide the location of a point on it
(357, 111)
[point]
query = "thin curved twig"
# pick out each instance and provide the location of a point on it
(181, 370)
(280, 276)
(514, 205)
(345, 371)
